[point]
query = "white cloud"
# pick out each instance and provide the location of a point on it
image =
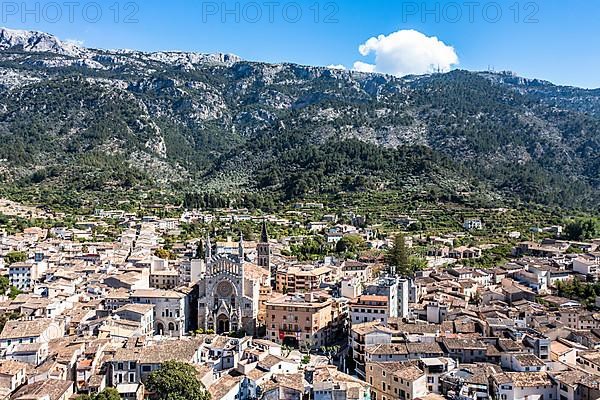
(336, 66)
(363, 67)
(406, 52)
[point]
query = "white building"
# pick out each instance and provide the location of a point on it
(351, 287)
(524, 386)
(472, 223)
(585, 265)
(398, 292)
(169, 309)
(23, 275)
(369, 308)
(403, 297)
(142, 313)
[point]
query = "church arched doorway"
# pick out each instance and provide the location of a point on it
(160, 328)
(222, 324)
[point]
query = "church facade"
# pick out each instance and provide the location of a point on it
(229, 294)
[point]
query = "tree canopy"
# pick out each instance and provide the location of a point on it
(582, 229)
(350, 243)
(107, 394)
(401, 260)
(398, 256)
(15, 256)
(176, 381)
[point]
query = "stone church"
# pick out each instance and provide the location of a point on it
(230, 293)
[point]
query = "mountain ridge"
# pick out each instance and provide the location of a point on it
(35, 41)
(193, 121)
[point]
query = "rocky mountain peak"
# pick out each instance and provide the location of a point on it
(39, 42)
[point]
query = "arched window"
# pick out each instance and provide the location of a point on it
(171, 326)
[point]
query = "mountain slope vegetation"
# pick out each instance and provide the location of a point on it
(98, 120)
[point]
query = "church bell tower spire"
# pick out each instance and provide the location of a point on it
(264, 236)
(263, 248)
(207, 249)
(241, 246)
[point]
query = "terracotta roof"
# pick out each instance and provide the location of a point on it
(136, 308)
(178, 350)
(24, 329)
(524, 379)
(289, 381)
(52, 388)
(11, 367)
(224, 385)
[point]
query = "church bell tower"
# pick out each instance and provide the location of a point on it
(263, 249)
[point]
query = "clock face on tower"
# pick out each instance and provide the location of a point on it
(224, 289)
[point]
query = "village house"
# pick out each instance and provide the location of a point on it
(396, 380)
(30, 331)
(523, 386)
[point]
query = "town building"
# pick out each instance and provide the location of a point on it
(229, 294)
(170, 310)
(308, 320)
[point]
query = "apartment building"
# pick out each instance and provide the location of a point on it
(308, 320)
(368, 308)
(396, 380)
(23, 275)
(165, 279)
(301, 279)
(368, 334)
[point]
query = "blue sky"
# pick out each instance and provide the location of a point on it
(545, 39)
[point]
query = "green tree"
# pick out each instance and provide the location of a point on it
(311, 248)
(582, 229)
(14, 292)
(247, 232)
(476, 298)
(175, 380)
(200, 251)
(4, 284)
(15, 256)
(349, 243)
(330, 352)
(286, 350)
(8, 317)
(398, 256)
(164, 254)
(108, 394)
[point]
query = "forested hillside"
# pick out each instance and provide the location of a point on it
(95, 120)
